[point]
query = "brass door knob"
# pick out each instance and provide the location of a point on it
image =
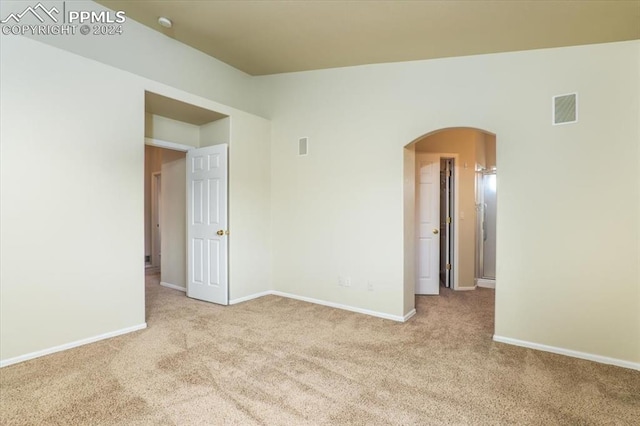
(220, 232)
(435, 231)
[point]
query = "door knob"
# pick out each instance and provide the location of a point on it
(220, 232)
(435, 231)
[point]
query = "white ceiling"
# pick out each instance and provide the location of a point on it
(267, 37)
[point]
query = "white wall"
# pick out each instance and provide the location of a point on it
(72, 192)
(249, 200)
(173, 219)
(568, 273)
(215, 133)
(166, 129)
(490, 151)
(409, 228)
(71, 199)
(249, 206)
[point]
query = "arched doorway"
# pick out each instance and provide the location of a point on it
(449, 226)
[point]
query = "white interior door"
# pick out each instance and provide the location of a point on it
(207, 248)
(428, 224)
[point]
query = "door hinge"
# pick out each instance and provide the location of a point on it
(448, 266)
(449, 220)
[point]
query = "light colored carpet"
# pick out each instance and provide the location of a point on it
(275, 361)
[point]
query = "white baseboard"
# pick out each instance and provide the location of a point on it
(465, 288)
(172, 286)
(340, 306)
(484, 283)
(409, 315)
(249, 297)
(568, 352)
(324, 303)
(37, 354)
(310, 300)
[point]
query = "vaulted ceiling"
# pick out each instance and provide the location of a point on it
(268, 37)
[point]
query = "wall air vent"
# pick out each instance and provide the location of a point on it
(303, 146)
(565, 109)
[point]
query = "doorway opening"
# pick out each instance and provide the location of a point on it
(185, 190)
(437, 220)
(165, 218)
(448, 199)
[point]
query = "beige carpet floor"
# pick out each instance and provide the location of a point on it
(275, 361)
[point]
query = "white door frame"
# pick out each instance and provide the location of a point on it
(456, 213)
(168, 145)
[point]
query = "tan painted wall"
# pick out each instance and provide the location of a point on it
(152, 164)
(173, 218)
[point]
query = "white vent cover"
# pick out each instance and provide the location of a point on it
(565, 109)
(303, 146)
